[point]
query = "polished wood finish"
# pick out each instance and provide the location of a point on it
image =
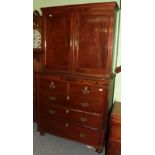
(82, 36)
(57, 51)
(74, 116)
(92, 43)
(74, 88)
(114, 137)
(69, 131)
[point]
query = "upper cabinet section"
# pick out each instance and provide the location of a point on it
(78, 39)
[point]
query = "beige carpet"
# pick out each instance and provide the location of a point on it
(52, 145)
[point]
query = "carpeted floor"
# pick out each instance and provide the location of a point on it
(52, 145)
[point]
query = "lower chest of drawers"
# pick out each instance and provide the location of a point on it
(72, 109)
(74, 116)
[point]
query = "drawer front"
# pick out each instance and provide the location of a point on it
(84, 104)
(76, 117)
(114, 145)
(87, 91)
(69, 131)
(49, 97)
(53, 85)
(86, 119)
(115, 130)
(87, 104)
(53, 112)
(113, 152)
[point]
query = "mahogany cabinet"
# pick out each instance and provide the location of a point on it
(75, 87)
(114, 135)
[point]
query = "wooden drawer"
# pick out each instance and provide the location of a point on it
(69, 131)
(71, 115)
(87, 104)
(115, 145)
(53, 84)
(49, 97)
(113, 152)
(53, 112)
(114, 137)
(86, 119)
(84, 104)
(115, 130)
(87, 91)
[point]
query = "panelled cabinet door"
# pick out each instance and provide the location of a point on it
(57, 41)
(91, 43)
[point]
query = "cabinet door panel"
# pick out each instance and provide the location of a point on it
(92, 50)
(57, 42)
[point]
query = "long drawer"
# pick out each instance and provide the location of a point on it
(84, 104)
(73, 132)
(53, 112)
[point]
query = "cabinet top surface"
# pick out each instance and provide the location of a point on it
(106, 5)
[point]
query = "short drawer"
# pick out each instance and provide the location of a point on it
(53, 85)
(91, 120)
(53, 112)
(88, 91)
(88, 104)
(49, 97)
(73, 132)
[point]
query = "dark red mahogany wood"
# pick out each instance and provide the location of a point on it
(114, 137)
(75, 87)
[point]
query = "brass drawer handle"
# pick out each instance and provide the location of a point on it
(50, 15)
(67, 111)
(100, 89)
(85, 90)
(67, 97)
(52, 98)
(82, 135)
(76, 43)
(66, 124)
(52, 85)
(83, 119)
(52, 112)
(71, 43)
(85, 104)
